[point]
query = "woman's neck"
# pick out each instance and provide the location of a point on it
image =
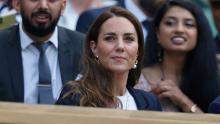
(172, 66)
(120, 82)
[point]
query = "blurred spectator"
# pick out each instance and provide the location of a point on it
(75, 7)
(142, 9)
(214, 106)
(5, 6)
(7, 9)
(7, 14)
(204, 4)
(180, 64)
(215, 4)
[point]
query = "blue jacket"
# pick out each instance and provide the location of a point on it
(214, 107)
(143, 100)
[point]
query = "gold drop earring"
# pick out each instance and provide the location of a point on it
(135, 64)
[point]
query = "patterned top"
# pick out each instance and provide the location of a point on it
(166, 104)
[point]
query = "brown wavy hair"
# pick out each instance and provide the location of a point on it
(95, 87)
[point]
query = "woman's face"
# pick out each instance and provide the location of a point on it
(177, 30)
(117, 46)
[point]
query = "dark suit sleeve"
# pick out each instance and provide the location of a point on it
(84, 21)
(214, 107)
(71, 100)
(78, 49)
(70, 53)
(147, 101)
(154, 103)
(11, 73)
(87, 17)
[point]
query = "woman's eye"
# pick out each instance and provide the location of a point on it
(52, 1)
(170, 22)
(190, 24)
(129, 39)
(34, 0)
(109, 38)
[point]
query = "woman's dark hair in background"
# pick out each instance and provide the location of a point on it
(200, 80)
(95, 87)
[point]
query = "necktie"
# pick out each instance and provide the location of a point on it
(45, 95)
(148, 27)
(146, 24)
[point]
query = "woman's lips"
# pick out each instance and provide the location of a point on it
(119, 58)
(178, 40)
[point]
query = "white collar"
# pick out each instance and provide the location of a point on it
(126, 94)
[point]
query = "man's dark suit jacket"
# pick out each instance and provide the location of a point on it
(86, 18)
(214, 106)
(217, 43)
(143, 100)
(11, 68)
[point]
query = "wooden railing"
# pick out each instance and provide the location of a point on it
(14, 113)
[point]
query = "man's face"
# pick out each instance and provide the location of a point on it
(40, 17)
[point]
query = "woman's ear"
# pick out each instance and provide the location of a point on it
(93, 47)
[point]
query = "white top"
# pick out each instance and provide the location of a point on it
(30, 58)
(127, 101)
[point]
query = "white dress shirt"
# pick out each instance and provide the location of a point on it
(30, 58)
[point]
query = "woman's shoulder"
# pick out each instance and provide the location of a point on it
(146, 100)
(145, 95)
(149, 75)
(214, 106)
(67, 98)
(71, 100)
(151, 72)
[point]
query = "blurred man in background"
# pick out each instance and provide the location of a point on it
(142, 9)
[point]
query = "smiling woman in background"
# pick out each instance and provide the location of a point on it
(180, 65)
(112, 59)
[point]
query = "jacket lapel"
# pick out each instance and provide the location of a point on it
(15, 64)
(140, 102)
(64, 56)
